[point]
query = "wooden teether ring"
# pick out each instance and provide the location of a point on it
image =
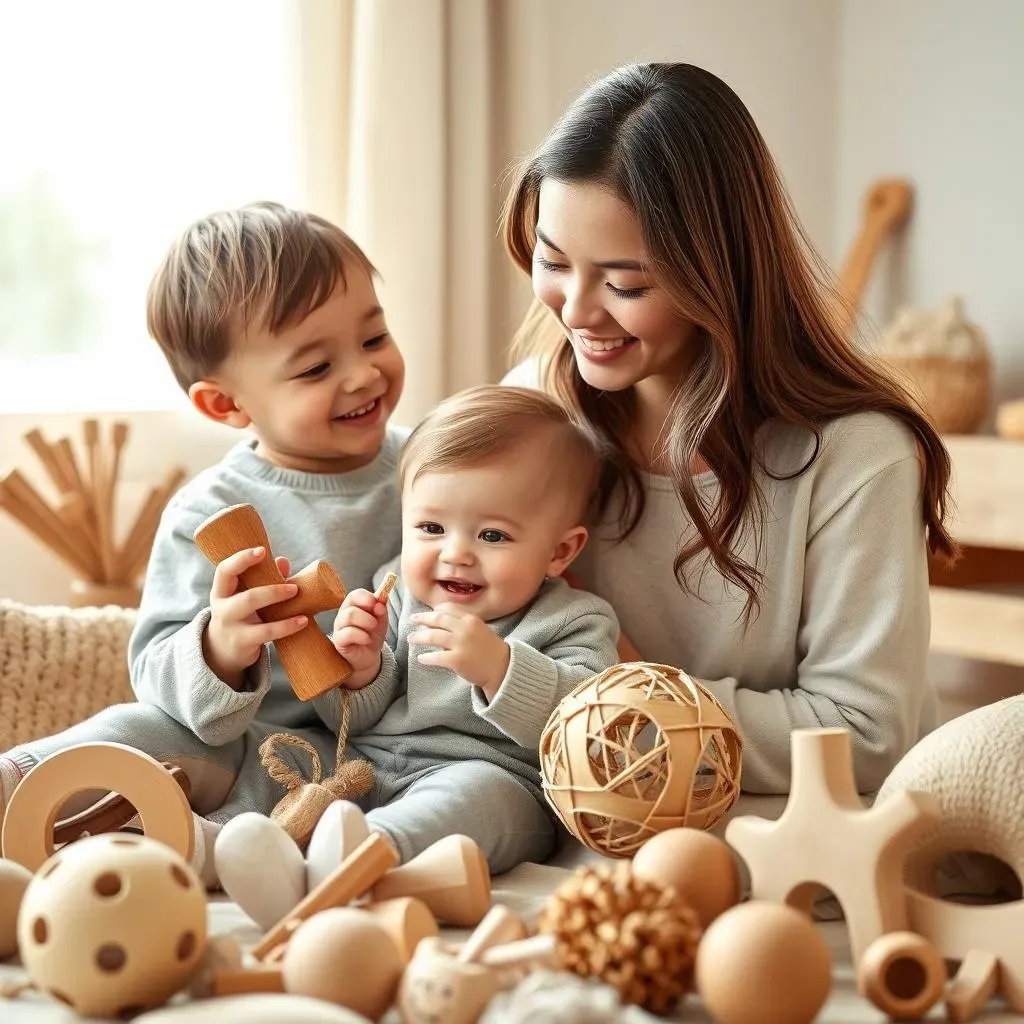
(142, 781)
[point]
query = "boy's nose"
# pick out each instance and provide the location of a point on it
(361, 377)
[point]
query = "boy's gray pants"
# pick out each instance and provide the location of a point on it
(415, 809)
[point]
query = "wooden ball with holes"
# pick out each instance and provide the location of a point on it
(112, 924)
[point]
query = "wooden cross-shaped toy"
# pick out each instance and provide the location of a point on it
(311, 662)
(827, 837)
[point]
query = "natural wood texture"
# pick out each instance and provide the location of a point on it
(355, 875)
(311, 662)
(903, 975)
(979, 567)
(140, 779)
(826, 837)
(79, 524)
(975, 983)
(988, 488)
(886, 206)
(972, 624)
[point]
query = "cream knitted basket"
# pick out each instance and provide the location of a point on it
(58, 666)
(974, 767)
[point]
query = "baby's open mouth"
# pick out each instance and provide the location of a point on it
(459, 586)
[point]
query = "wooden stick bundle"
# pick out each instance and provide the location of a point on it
(80, 527)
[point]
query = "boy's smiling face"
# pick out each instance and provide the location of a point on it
(485, 537)
(319, 392)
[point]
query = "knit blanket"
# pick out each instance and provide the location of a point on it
(58, 666)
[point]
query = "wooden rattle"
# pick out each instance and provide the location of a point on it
(825, 836)
(354, 876)
(451, 877)
(439, 986)
(140, 779)
(310, 660)
(903, 975)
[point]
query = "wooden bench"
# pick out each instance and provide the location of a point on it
(978, 604)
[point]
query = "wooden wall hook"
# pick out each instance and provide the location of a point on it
(310, 660)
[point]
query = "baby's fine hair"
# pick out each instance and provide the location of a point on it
(490, 422)
(262, 263)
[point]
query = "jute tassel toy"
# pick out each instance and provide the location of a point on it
(80, 526)
(299, 810)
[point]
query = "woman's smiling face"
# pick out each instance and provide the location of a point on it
(591, 269)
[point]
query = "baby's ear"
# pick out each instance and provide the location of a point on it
(568, 547)
(209, 397)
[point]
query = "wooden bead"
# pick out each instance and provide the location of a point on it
(902, 974)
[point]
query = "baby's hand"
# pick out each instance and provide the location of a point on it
(236, 635)
(468, 646)
(359, 631)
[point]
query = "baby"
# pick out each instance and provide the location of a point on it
(455, 678)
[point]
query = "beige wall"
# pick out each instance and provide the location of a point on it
(933, 90)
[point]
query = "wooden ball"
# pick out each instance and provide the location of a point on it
(699, 866)
(14, 881)
(113, 924)
(763, 963)
(344, 956)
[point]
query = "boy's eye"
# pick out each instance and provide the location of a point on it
(493, 536)
(377, 341)
(433, 529)
(315, 371)
(628, 293)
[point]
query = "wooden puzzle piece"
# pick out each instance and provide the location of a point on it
(142, 780)
(309, 659)
(826, 837)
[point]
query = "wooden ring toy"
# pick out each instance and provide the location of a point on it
(142, 780)
(903, 975)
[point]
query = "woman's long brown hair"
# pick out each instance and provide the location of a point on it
(678, 146)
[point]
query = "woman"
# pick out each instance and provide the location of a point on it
(770, 496)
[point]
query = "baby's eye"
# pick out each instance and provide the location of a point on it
(493, 536)
(378, 341)
(433, 529)
(315, 371)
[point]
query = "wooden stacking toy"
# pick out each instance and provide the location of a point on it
(142, 781)
(309, 659)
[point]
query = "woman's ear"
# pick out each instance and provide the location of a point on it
(566, 550)
(217, 405)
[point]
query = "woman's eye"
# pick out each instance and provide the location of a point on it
(547, 264)
(433, 529)
(493, 536)
(377, 342)
(628, 293)
(315, 371)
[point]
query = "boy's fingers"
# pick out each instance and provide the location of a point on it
(283, 565)
(360, 599)
(268, 632)
(357, 618)
(431, 638)
(225, 576)
(350, 636)
(250, 601)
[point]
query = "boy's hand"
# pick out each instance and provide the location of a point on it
(359, 631)
(235, 635)
(468, 646)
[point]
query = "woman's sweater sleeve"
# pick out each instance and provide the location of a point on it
(863, 638)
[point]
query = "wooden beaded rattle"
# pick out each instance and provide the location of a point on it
(310, 660)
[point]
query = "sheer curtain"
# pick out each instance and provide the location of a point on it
(401, 127)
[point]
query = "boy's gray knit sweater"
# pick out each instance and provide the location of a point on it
(414, 715)
(351, 520)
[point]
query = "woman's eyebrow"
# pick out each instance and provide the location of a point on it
(604, 264)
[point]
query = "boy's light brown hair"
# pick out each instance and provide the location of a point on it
(262, 263)
(492, 421)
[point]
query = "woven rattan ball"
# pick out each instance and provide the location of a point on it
(640, 937)
(636, 750)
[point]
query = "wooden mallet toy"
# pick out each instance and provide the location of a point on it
(310, 660)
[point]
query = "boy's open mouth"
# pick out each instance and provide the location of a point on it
(462, 587)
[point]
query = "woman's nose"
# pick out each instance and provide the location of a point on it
(580, 309)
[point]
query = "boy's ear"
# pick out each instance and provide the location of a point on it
(566, 550)
(217, 405)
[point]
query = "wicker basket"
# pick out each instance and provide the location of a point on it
(955, 393)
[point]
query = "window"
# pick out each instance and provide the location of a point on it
(120, 122)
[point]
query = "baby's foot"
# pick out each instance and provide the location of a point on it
(341, 828)
(260, 867)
